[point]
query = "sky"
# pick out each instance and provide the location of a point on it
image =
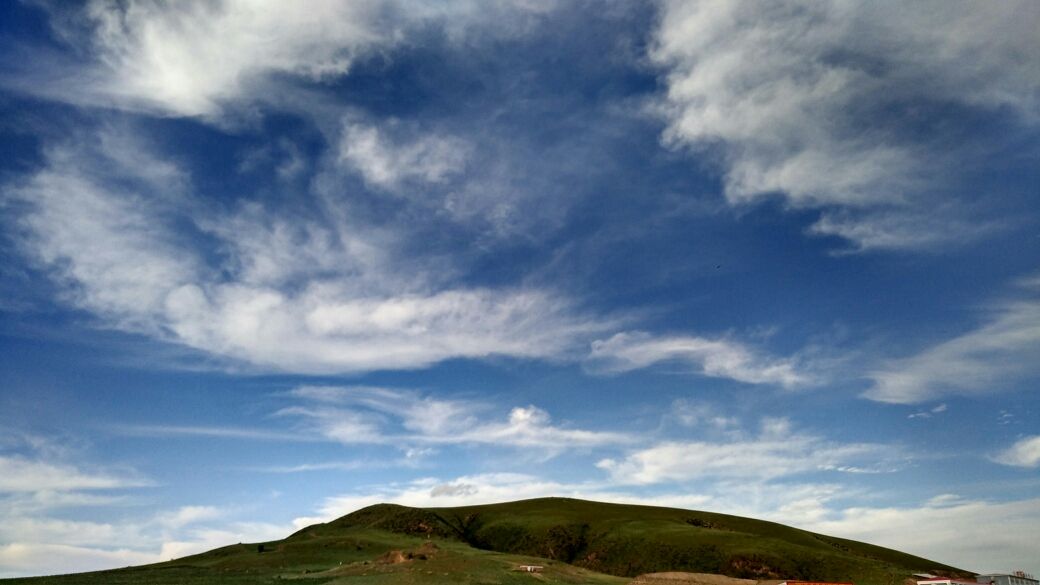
(265, 263)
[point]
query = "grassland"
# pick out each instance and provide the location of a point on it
(575, 540)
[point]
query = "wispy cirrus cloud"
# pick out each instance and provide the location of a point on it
(813, 102)
(311, 295)
(388, 162)
(213, 432)
(190, 60)
(218, 60)
(354, 415)
(19, 474)
(716, 358)
(1003, 348)
(52, 474)
(938, 409)
(415, 423)
(776, 451)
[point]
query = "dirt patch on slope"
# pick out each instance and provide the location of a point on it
(394, 557)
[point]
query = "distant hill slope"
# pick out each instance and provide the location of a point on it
(629, 540)
(575, 541)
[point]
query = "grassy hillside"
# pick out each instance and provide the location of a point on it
(577, 542)
(349, 555)
(630, 540)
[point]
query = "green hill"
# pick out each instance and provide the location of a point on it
(629, 540)
(575, 540)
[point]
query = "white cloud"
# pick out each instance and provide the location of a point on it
(202, 58)
(335, 424)
(699, 415)
(213, 432)
(38, 476)
(794, 95)
(947, 530)
(20, 474)
(409, 420)
(1024, 453)
(186, 515)
(387, 163)
(717, 358)
(412, 422)
(44, 476)
(878, 228)
(356, 465)
(363, 414)
(987, 359)
(42, 479)
(776, 452)
(190, 59)
(207, 538)
(40, 546)
(45, 529)
(124, 261)
(21, 559)
(928, 413)
(309, 296)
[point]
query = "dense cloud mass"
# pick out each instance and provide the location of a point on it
(808, 100)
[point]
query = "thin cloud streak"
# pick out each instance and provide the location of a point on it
(248, 434)
(984, 360)
(406, 419)
(716, 358)
(776, 452)
(362, 414)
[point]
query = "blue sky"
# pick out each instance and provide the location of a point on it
(262, 264)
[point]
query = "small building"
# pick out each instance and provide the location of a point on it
(530, 568)
(946, 581)
(1014, 578)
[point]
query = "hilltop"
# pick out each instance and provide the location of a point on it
(576, 541)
